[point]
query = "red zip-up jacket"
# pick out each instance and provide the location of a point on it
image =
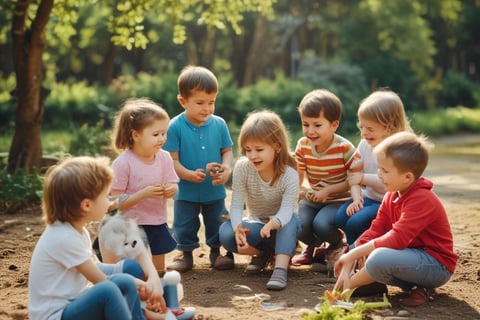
(415, 219)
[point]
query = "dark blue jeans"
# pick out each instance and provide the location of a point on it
(355, 225)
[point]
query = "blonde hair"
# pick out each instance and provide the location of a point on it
(408, 152)
(68, 183)
(135, 114)
(321, 101)
(385, 108)
(196, 78)
(266, 126)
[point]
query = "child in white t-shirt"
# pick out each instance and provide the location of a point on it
(63, 266)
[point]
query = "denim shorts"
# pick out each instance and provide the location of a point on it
(160, 238)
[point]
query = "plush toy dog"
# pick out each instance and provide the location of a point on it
(122, 236)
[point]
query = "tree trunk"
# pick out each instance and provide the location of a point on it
(108, 64)
(28, 45)
(258, 53)
(209, 48)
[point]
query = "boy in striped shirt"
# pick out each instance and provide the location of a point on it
(324, 158)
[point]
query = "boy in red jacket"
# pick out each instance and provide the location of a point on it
(410, 243)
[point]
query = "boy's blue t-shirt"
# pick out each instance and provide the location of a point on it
(197, 146)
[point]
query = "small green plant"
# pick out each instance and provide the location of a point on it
(337, 306)
(21, 190)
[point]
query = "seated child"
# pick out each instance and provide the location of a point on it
(409, 244)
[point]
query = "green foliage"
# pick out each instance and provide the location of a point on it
(6, 85)
(385, 71)
(280, 95)
(19, 191)
(71, 106)
(398, 29)
(344, 309)
(458, 90)
(90, 141)
(346, 81)
(446, 121)
(126, 22)
(77, 103)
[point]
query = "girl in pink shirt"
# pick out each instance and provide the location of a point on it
(144, 175)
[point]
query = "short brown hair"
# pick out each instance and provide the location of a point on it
(71, 181)
(321, 101)
(408, 152)
(196, 78)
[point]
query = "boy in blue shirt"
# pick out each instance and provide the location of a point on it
(201, 147)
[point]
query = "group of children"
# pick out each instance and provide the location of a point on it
(408, 244)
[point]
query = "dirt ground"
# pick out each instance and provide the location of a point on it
(454, 168)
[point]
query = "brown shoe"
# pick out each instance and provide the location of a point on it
(224, 262)
(259, 262)
(333, 254)
(372, 289)
(182, 262)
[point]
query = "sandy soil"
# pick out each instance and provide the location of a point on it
(216, 295)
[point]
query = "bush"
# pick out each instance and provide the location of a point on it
(78, 103)
(19, 191)
(91, 141)
(447, 121)
(280, 95)
(385, 71)
(345, 81)
(458, 90)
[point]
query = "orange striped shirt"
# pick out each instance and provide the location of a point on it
(329, 167)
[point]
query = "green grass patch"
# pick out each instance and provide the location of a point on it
(446, 121)
(52, 141)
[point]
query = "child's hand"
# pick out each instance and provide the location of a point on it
(170, 189)
(154, 191)
(241, 236)
(156, 300)
(266, 231)
(218, 172)
(354, 207)
(198, 176)
(144, 289)
(317, 196)
(343, 280)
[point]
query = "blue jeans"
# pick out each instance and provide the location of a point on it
(129, 266)
(355, 225)
(406, 268)
(115, 299)
(186, 223)
(318, 223)
(282, 241)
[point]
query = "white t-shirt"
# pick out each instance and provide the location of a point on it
(370, 166)
(53, 279)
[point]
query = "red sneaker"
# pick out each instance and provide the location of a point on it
(305, 258)
(417, 297)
